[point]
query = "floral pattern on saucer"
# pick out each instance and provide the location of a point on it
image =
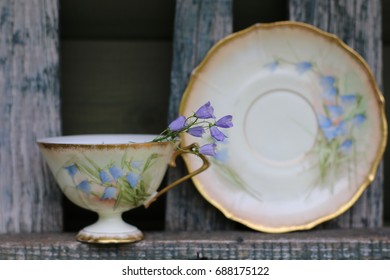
(342, 112)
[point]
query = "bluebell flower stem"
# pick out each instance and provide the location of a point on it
(203, 120)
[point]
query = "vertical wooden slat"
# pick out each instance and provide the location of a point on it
(358, 23)
(199, 24)
(29, 109)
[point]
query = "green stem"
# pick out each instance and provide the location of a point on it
(168, 135)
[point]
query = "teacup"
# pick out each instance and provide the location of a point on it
(111, 174)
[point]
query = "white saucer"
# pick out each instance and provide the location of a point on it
(309, 126)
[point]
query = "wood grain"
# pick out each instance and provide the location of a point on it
(199, 24)
(29, 109)
(358, 23)
(341, 244)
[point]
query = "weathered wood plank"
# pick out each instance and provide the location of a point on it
(29, 109)
(199, 24)
(358, 23)
(310, 245)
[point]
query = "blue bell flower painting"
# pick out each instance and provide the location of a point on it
(124, 182)
(340, 114)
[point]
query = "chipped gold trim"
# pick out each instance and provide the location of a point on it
(378, 96)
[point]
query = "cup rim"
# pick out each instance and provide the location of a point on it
(100, 141)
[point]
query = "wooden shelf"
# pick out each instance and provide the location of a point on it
(317, 244)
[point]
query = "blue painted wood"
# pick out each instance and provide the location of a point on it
(29, 109)
(341, 244)
(359, 24)
(199, 24)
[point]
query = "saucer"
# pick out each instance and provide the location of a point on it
(309, 126)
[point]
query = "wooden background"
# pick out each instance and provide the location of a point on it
(122, 68)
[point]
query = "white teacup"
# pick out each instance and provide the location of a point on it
(111, 174)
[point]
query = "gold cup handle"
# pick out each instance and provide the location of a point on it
(185, 150)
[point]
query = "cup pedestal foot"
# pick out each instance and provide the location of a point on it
(110, 229)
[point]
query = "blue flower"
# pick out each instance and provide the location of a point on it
(109, 193)
(208, 149)
(330, 133)
(217, 134)
(359, 119)
(330, 94)
(205, 112)
(324, 122)
(200, 122)
(116, 172)
(136, 164)
(72, 169)
(272, 65)
(348, 99)
(196, 131)
(335, 111)
(84, 186)
(178, 124)
(327, 81)
(222, 155)
(225, 122)
(303, 67)
(133, 179)
(346, 146)
(334, 131)
(104, 177)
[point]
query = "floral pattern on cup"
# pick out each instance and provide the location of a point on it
(122, 183)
